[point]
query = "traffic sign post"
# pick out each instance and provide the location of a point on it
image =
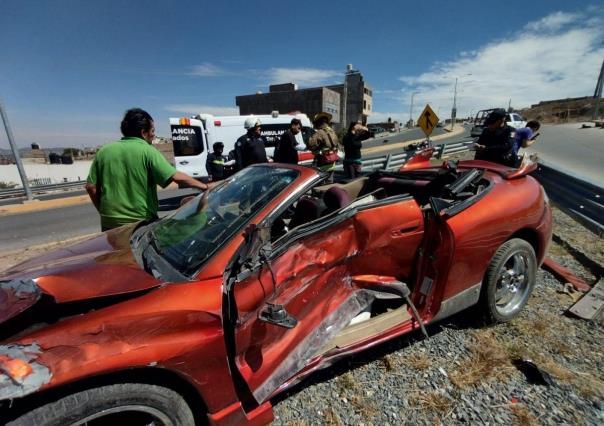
(427, 121)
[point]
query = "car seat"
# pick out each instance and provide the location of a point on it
(307, 210)
(335, 198)
(394, 186)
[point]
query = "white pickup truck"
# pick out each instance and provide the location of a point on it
(512, 119)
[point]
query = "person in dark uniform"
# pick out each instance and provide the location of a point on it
(495, 144)
(215, 164)
(285, 151)
(353, 142)
(250, 148)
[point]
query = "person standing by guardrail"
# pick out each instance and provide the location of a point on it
(495, 144)
(324, 144)
(123, 178)
(526, 136)
(353, 142)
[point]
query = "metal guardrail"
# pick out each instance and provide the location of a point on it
(395, 161)
(19, 192)
(579, 198)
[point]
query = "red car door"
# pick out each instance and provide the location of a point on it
(309, 273)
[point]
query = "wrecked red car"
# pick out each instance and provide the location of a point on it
(208, 313)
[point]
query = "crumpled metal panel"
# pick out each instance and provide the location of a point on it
(328, 328)
(32, 375)
(313, 281)
(16, 296)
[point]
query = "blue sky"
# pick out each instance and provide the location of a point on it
(69, 69)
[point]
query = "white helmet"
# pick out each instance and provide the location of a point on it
(252, 122)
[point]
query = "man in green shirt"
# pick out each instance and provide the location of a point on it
(124, 174)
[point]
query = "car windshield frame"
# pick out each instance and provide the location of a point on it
(188, 238)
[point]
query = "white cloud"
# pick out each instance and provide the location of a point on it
(553, 22)
(527, 67)
(304, 77)
(197, 109)
(209, 70)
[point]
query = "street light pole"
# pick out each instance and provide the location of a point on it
(13, 146)
(411, 110)
(454, 109)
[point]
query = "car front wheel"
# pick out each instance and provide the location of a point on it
(509, 281)
(129, 404)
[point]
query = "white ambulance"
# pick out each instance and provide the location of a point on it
(192, 138)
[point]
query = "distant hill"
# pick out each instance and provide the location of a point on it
(562, 110)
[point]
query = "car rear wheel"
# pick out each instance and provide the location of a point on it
(509, 281)
(129, 404)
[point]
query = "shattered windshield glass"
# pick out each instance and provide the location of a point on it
(190, 236)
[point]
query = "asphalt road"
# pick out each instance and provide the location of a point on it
(53, 196)
(575, 150)
(29, 229)
(403, 136)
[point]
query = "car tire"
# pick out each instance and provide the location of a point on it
(114, 404)
(509, 281)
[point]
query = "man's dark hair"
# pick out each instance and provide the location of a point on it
(295, 121)
(352, 124)
(134, 122)
(533, 124)
(218, 145)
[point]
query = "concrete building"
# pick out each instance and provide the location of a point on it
(350, 101)
(287, 98)
(356, 97)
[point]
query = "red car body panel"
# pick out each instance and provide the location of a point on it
(322, 278)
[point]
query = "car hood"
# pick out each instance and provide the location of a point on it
(100, 266)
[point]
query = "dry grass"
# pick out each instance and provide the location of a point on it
(388, 363)
(557, 250)
(433, 403)
(418, 361)
(364, 407)
(586, 384)
(487, 360)
(346, 382)
(332, 418)
(523, 416)
(299, 423)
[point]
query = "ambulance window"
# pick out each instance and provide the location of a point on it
(187, 140)
(272, 132)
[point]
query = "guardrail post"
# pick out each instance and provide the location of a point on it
(440, 151)
(387, 164)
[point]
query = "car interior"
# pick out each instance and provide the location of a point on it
(447, 186)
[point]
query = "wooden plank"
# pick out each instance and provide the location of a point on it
(357, 332)
(592, 304)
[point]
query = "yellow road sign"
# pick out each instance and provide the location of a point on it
(427, 120)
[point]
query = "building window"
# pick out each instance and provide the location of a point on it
(364, 104)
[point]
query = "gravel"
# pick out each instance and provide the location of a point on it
(465, 372)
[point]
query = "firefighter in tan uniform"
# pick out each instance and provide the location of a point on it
(324, 144)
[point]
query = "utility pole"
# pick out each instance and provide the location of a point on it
(13, 146)
(598, 92)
